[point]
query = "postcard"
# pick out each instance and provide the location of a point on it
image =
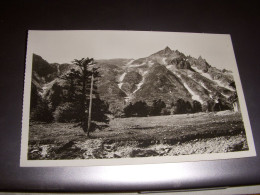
(131, 97)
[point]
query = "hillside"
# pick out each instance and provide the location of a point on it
(168, 75)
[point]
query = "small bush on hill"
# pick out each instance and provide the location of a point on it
(157, 107)
(67, 112)
(41, 112)
(139, 109)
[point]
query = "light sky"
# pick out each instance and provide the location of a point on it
(65, 46)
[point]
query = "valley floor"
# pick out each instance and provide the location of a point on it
(141, 137)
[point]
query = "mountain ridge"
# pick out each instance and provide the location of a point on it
(168, 75)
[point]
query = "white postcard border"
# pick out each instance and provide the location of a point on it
(24, 162)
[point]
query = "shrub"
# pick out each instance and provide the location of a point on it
(197, 107)
(157, 107)
(180, 106)
(166, 111)
(67, 112)
(140, 109)
(128, 110)
(41, 112)
(100, 109)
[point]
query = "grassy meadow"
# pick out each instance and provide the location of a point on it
(169, 135)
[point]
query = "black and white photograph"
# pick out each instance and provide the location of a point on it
(132, 97)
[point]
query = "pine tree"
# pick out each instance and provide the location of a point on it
(140, 109)
(100, 109)
(129, 110)
(197, 107)
(157, 107)
(233, 99)
(56, 96)
(180, 106)
(35, 97)
(210, 106)
(79, 80)
(41, 112)
(71, 78)
(188, 107)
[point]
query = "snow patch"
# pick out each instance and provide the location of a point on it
(139, 86)
(202, 73)
(127, 99)
(137, 65)
(226, 96)
(120, 85)
(43, 92)
(46, 87)
(58, 69)
(210, 78)
(150, 63)
(194, 96)
(121, 78)
(144, 73)
(141, 83)
(130, 62)
(220, 84)
(164, 60)
(204, 86)
(169, 67)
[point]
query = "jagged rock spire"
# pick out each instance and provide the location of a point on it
(167, 49)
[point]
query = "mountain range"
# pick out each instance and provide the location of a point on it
(167, 75)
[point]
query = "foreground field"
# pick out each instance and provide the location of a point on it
(140, 137)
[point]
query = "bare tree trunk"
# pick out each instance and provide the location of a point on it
(84, 117)
(90, 104)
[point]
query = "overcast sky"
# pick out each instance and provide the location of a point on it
(64, 46)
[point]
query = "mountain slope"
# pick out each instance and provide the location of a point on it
(160, 83)
(168, 75)
(187, 78)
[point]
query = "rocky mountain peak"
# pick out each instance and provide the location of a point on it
(200, 58)
(167, 50)
(163, 53)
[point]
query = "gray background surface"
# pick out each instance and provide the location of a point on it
(241, 20)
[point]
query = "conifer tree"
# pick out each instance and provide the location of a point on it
(79, 80)
(197, 107)
(157, 107)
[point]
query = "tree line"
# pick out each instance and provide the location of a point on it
(158, 107)
(70, 102)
